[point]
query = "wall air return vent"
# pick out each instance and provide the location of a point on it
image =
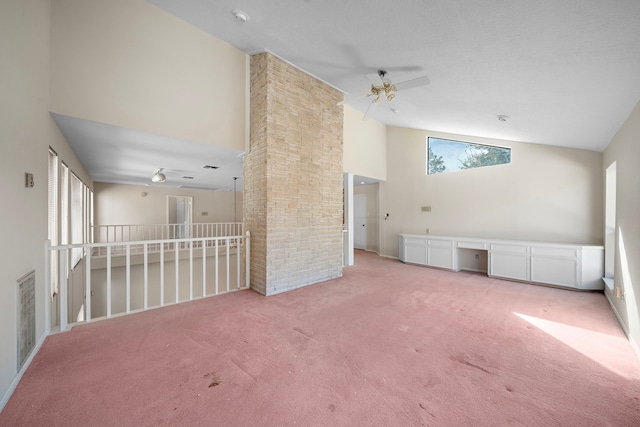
(26, 316)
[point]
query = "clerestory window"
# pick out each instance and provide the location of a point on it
(445, 155)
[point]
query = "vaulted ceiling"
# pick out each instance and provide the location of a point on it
(564, 73)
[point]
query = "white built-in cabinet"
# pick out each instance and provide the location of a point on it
(558, 264)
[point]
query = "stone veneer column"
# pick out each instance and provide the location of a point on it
(293, 204)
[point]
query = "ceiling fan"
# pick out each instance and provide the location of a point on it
(382, 88)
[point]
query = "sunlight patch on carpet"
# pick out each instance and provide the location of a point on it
(582, 340)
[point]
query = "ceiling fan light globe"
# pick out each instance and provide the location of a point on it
(158, 177)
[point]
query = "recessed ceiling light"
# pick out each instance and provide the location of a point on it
(395, 110)
(361, 182)
(240, 15)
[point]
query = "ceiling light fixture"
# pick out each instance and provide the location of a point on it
(158, 176)
(240, 15)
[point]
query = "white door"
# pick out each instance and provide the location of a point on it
(360, 221)
(179, 216)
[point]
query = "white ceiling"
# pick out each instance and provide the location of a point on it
(128, 156)
(567, 73)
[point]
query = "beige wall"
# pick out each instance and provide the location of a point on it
(365, 145)
(293, 178)
(546, 193)
(117, 204)
(131, 64)
(624, 149)
(26, 131)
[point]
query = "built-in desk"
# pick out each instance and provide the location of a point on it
(558, 264)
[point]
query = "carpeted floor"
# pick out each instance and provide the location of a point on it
(386, 345)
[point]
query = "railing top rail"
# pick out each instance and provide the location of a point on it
(162, 225)
(144, 242)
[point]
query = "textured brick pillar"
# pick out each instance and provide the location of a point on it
(293, 178)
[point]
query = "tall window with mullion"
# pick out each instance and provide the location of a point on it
(445, 155)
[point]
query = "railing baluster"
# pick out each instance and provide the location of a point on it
(227, 257)
(191, 270)
(87, 284)
(62, 288)
(48, 302)
(217, 266)
(146, 276)
(128, 279)
(108, 281)
(161, 274)
(247, 263)
(177, 260)
(238, 261)
(204, 268)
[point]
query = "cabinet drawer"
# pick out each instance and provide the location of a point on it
(560, 252)
(415, 241)
(443, 243)
(472, 245)
(516, 249)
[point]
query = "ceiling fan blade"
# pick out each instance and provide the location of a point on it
(352, 98)
(399, 106)
(370, 108)
(410, 84)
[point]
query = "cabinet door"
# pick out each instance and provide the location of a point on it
(440, 257)
(554, 271)
(416, 254)
(509, 266)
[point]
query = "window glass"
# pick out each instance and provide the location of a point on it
(444, 155)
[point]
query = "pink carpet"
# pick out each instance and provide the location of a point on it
(386, 345)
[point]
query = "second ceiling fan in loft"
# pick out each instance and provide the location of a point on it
(384, 90)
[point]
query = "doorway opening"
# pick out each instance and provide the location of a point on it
(360, 221)
(179, 216)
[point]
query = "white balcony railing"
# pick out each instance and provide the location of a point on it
(122, 277)
(139, 232)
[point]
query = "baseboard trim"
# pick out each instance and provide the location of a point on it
(18, 377)
(634, 345)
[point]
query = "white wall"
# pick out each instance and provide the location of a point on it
(546, 193)
(131, 64)
(26, 131)
(124, 204)
(365, 145)
(624, 149)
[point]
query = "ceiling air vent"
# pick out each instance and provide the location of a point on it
(187, 177)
